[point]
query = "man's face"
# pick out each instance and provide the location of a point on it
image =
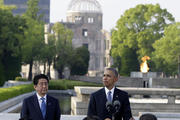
(109, 79)
(41, 87)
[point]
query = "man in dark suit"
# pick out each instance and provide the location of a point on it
(40, 106)
(98, 100)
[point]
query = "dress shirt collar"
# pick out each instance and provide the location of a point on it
(112, 91)
(39, 97)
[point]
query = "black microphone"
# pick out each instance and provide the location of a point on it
(116, 105)
(109, 106)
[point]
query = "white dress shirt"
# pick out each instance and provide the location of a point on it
(112, 92)
(39, 99)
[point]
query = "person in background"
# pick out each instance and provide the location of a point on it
(40, 106)
(148, 116)
(91, 118)
(98, 100)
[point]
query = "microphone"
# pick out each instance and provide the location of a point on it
(109, 106)
(116, 105)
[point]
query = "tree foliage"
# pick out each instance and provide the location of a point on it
(80, 62)
(11, 33)
(167, 50)
(136, 31)
(64, 48)
(34, 35)
(48, 53)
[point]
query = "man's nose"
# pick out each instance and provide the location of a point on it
(104, 77)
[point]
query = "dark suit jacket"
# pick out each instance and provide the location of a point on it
(97, 105)
(31, 110)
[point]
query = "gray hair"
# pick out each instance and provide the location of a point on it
(113, 70)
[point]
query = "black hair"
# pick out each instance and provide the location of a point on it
(39, 76)
(113, 70)
(91, 118)
(148, 116)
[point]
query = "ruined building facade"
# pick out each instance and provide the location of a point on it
(84, 18)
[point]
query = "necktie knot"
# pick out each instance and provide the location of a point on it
(43, 99)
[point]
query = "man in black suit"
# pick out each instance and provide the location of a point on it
(40, 106)
(99, 99)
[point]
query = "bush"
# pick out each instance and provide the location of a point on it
(20, 79)
(62, 84)
(14, 91)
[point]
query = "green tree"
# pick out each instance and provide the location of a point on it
(136, 31)
(2, 76)
(167, 50)
(34, 35)
(64, 48)
(80, 62)
(11, 33)
(48, 53)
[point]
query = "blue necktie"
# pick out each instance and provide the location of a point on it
(43, 107)
(109, 96)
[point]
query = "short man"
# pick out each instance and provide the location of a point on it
(98, 99)
(40, 106)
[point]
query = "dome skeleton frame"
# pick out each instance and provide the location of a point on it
(84, 6)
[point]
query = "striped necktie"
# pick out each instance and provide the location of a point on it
(109, 96)
(43, 107)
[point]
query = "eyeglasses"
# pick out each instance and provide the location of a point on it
(43, 83)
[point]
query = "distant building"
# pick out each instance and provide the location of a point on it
(84, 18)
(44, 6)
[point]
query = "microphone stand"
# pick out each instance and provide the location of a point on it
(116, 106)
(113, 117)
(113, 108)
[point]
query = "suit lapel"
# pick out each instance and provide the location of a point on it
(104, 96)
(37, 107)
(115, 96)
(48, 105)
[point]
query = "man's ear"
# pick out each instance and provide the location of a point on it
(35, 86)
(116, 79)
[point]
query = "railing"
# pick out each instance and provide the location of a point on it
(79, 103)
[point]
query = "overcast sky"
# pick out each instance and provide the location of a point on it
(113, 9)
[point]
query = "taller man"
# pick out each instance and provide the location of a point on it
(40, 106)
(98, 99)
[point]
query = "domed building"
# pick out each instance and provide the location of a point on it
(84, 18)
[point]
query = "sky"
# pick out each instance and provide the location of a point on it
(113, 9)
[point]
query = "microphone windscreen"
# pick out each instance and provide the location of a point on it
(108, 103)
(109, 106)
(117, 105)
(116, 102)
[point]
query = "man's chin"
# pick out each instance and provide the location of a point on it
(44, 92)
(105, 84)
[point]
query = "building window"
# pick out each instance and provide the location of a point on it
(77, 18)
(85, 32)
(90, 20)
